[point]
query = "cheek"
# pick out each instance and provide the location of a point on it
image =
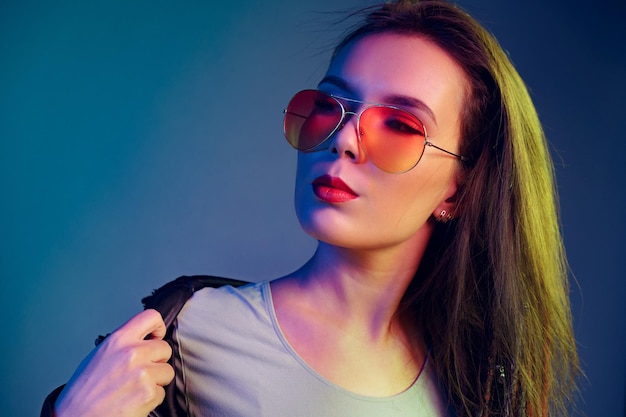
(304, 199)
(298, 199)
(403, 208)
(411, 201)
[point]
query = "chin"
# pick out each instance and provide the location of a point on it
(325, 226)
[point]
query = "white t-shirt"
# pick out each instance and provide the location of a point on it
(234, 361)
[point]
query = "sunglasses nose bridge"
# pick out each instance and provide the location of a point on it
(346, 117)
(347, 142)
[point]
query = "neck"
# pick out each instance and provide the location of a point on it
(361, 287)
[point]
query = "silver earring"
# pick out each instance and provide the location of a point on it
(444, 216)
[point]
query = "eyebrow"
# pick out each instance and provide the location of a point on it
(399, 100)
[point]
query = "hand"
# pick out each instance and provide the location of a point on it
(124, 376)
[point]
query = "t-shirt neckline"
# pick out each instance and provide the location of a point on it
(271, 311)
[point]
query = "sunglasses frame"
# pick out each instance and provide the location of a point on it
(342, 122)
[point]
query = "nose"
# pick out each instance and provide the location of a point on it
(345, 141)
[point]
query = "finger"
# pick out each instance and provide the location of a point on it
(155, 350)
(163, 373)
(158, 397)
(141, 401)
(147, 323)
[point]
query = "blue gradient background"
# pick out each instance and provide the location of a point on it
(142, 140)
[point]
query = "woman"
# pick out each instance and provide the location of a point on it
(439, 283)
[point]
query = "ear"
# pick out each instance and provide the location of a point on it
(447, 209)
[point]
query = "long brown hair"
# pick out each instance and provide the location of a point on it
(491, 293)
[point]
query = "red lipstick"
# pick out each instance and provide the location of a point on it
(332, 190)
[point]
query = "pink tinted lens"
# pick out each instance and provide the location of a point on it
(310, 118)
(392, 139)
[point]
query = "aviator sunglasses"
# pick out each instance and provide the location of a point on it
(393, 139)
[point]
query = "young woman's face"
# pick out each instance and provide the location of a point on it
(383, 209)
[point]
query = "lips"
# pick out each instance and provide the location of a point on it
(332, 190)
